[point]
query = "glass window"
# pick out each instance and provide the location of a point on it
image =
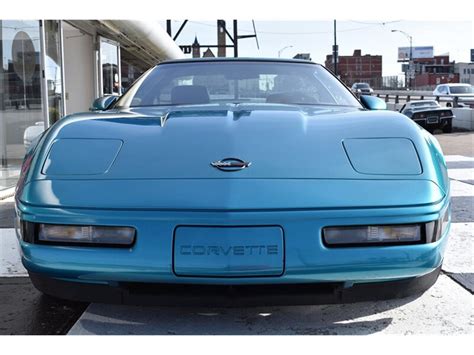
(237, 82)
(109, 58)
(461, 89)
(53, 70)
(21, 111)
(130, 72)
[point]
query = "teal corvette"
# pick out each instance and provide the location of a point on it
(234, 181)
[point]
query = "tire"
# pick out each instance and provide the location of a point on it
(448, 128)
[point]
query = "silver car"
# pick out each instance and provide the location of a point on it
(463, 92)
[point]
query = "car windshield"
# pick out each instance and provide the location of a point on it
(424, 105)
(362, 86)
(461, 89)
(214, 82)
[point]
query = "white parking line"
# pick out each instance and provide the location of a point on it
(461, 189)
(459, 255)
(452, 158)
(8, 199)
(461, 174)
(10, 262)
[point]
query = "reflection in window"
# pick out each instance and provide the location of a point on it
(110, 74)
(21, 116)
(53, 70)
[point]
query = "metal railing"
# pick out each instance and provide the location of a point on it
(404, 96)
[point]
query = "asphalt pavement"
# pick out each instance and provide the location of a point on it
(446, 308)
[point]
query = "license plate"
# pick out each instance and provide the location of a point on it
(228, 251)
(432, 120)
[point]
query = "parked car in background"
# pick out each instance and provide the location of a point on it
(362, 89)
(463, 92)
(429, 114)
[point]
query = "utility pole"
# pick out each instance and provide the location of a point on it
(335, 50)
(236, 38)
(410, 63)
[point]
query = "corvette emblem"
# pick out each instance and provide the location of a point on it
(231, 164)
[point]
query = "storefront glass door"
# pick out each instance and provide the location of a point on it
(109, 57)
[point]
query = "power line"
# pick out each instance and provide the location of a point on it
(293, 33)
(375, 23)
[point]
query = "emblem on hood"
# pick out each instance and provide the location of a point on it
(231, 164)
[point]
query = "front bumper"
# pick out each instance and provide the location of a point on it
(234, 296)
(307, 259)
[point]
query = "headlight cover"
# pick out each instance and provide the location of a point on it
(92, 235)
(383, 156)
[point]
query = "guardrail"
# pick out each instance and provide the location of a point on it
(464, 116)
(403, 96)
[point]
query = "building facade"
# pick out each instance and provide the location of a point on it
(429, 72)
(465, 72)
(51, 68)
(357, 68)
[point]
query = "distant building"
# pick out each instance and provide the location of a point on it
(430, 72)
(304, 56)
(196, 48)
(465, 71)
(208, 54)
(357, 68)
(221, 38)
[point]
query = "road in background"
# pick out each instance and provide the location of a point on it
(457, 143)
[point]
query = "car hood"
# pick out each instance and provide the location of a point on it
(280, 141)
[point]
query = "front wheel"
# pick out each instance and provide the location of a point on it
(448, 128)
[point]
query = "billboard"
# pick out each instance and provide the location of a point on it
(417, 52)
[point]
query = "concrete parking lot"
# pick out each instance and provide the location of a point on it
(446, 308)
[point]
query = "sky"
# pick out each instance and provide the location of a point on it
(317, 37)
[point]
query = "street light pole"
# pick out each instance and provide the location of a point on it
(335, 50)
(410, 59)
(281, 50)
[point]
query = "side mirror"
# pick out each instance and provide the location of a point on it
(373, 102)
(103, 103)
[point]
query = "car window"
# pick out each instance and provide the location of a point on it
(217, 82)
(461, 89)
(424, 104)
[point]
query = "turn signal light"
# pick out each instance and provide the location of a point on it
(348, 236)
(93, 235)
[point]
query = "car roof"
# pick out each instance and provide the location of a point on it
(456, 84)
(239, 59)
